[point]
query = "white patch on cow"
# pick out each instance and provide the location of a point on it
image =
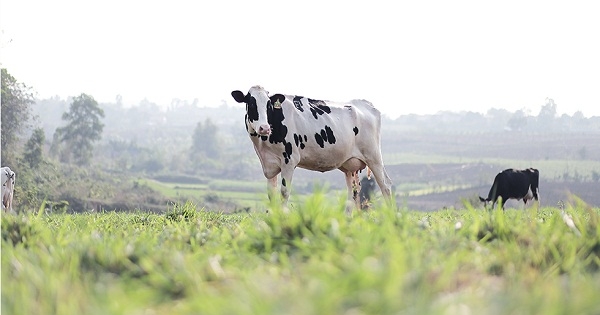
(529, 194)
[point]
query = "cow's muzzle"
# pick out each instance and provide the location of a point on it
(264, 130)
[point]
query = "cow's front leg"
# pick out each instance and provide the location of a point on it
(272, 187)
(286, 185)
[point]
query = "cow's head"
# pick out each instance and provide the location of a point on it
(8, 177)
(258, 106)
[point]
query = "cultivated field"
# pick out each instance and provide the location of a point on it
(313, 260)
(438, 183)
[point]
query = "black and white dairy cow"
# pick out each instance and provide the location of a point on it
(291, 131)
(8, 188)
(514, 184)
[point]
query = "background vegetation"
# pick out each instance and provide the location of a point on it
(83, 155)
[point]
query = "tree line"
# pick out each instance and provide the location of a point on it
(77, 159)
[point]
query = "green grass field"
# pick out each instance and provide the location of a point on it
(553, 168)
(312, 260)
(246, 194)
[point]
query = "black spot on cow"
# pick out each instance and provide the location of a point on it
(318, 108)
(279, 131)
(330, 135)
(355, 129)
(283, 182)
(319, 140)
(298, 103)
(275, 119)
(288, 152)
(251, 109)
(326, 135)
(299, 140)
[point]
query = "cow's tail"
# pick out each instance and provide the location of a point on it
(491, 195)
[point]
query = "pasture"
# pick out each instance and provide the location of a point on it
(312, 260)
(434, 183)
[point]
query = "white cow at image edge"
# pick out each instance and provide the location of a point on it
(290, 131)
(8, 188)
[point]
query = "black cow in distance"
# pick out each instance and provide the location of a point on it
(514, 184)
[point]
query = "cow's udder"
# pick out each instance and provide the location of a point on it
(352, 165)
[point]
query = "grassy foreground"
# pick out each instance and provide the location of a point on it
(313, 260)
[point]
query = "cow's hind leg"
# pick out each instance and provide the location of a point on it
(374, 161)
(383, 180)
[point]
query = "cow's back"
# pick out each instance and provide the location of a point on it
(324, 137)
(368, 122)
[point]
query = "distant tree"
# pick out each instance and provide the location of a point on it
(205, 141)
(150, 163)
(33, 148)
(578, 121)
(547, 115)
(498, 117)
(17, 99)
(518, 121)
(548, 111)
(578, 116)
(82, 130)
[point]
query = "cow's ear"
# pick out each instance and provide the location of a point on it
(238, 96)
(277, 98)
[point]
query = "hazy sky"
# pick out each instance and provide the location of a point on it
(404, 56)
